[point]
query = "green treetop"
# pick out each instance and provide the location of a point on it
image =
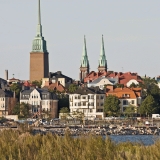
(111, 105)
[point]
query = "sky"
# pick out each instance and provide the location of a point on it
(131, 30)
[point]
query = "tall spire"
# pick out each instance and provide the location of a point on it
(39, 26)
(84, 47)
(84, 68)
(102, 47)
(102, 58)
(39, 12)
(39, 44)
(84, 59)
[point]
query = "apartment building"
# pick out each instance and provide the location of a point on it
(89, 101)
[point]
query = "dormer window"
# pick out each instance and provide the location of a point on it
(125, 95)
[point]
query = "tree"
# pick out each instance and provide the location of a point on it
(78, 115)
(15, 87)
(22, 110)
(118, 85)
(64, 110)
(16, 109)
(148, 106)
(63, 101)
(72, 88)
(111, 105)
(130, 110)
(133, 85)
(37, 83)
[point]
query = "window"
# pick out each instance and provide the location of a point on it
(101, 97)
(101, 104)
(125, 95)
(44, 96)
(92, 104)
(92, 97)
(132, 101)
(91, 110)
(75, 104)
(125, 102)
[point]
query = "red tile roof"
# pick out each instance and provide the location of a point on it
(123, 78)
(56, 86)
(120, 92)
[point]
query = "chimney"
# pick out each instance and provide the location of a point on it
(6, 75)
(23, 87)
(59, 72)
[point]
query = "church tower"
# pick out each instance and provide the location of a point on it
(39, 60)
(102, 59)
(84, 68)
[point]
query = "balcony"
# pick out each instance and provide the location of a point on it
(84, 100)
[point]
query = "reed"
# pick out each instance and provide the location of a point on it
(17, 145)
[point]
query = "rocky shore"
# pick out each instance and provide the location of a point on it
(98, 130)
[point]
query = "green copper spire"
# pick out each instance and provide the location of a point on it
(84, 59)
(102, 59)
(39, 44)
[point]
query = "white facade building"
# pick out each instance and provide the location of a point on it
(40, 100)
(88, 101)
(102, 81)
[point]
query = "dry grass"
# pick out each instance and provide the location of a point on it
(15, 145)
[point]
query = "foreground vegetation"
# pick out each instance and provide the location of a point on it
(15, 145)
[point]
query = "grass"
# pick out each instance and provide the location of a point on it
(16, 145)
